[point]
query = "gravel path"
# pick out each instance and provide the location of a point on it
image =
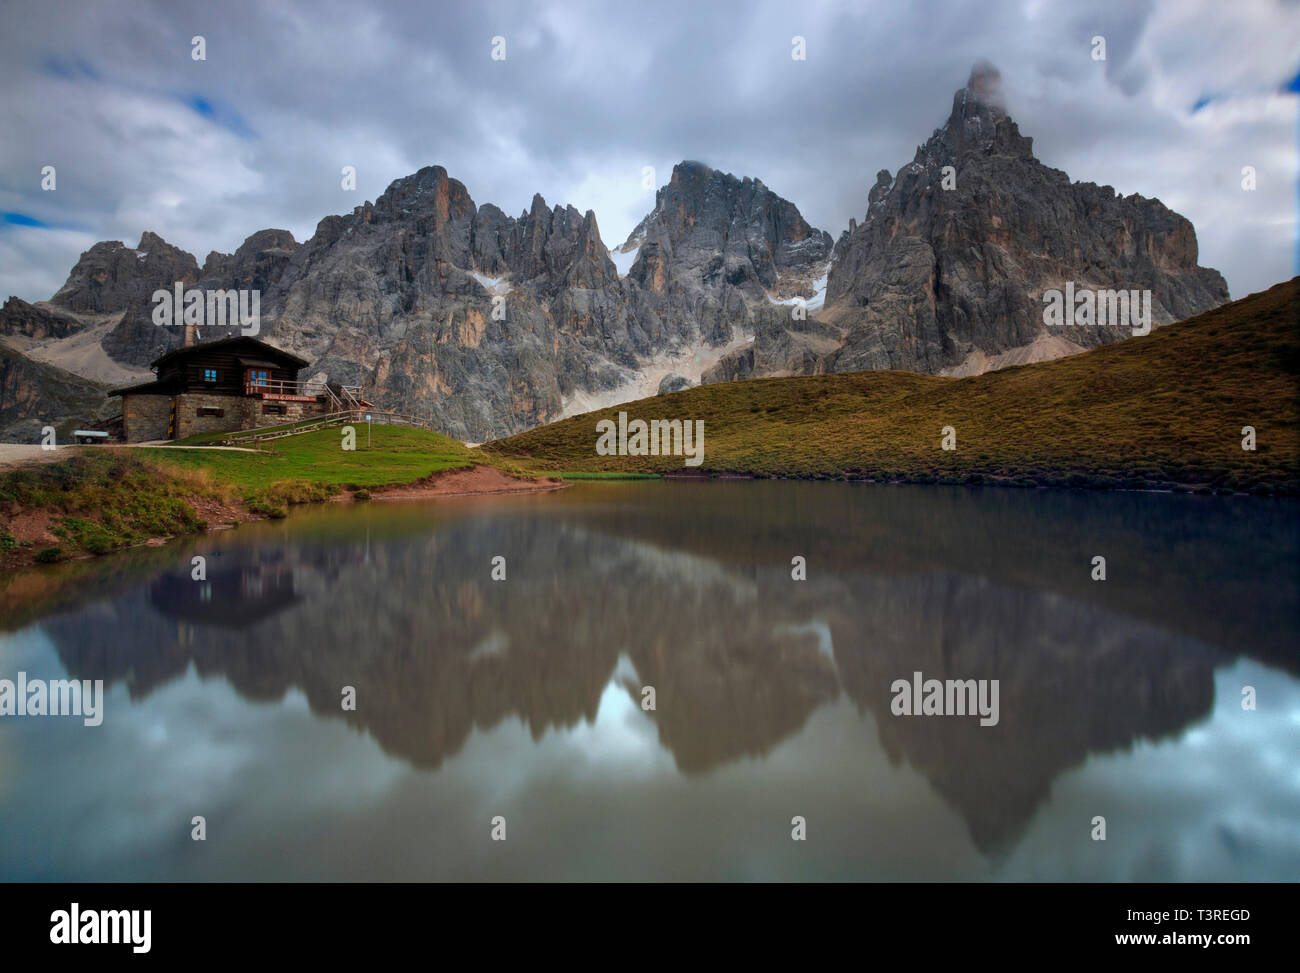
(14, 455)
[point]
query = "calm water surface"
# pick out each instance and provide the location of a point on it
(522, 698)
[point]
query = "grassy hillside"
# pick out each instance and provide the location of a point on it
(1165, 409)
(98, 501)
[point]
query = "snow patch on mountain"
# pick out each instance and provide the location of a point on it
(494, 285)
(691, 362)
(818, 300)
(623, 261)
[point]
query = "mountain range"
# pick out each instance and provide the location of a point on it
(487, 324)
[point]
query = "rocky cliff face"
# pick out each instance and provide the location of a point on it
(718, 260)
(479, 321)
(483, 323)
(33, 395)
(711, 233)
(947, 270)
(110, 276)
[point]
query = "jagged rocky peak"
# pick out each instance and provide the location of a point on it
(110, 276)
(977, 125)
(264, 240)
(403, 294)
(590, 266)
(709, 228)
(560, 247)
(979, 120)
(430, 190)
(257, 264)
(550, 246)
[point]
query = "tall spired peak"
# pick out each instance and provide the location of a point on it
(981, 97)
(979, 120)
(985, 83)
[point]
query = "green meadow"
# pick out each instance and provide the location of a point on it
(392, 454)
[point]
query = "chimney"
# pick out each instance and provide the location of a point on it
(189, 335)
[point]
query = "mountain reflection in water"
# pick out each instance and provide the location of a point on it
(687, 588)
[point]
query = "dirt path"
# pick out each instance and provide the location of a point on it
(163, 444)
(460, 483)
(14, 456)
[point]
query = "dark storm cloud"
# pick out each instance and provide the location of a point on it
(207, 152)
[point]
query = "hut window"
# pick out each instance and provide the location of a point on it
(208, 410)
(259, 376)
(272, 410)
(209, 374)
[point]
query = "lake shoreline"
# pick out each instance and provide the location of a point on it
(1060, 481)
(28, 529)
(462, 482)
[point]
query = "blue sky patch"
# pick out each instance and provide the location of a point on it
(219, 114)
(22, 219)
(69, 68)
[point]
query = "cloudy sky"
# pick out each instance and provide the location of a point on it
(204, 152)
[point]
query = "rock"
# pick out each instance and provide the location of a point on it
(710, 230)
(256, 265)
(110, 276)
(25, 320)
(731, 367)
(673, 382)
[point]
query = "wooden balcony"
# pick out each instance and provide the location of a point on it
(281, 390)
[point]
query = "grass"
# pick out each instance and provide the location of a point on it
(107, 499)
(316, 460)
(1161, 410)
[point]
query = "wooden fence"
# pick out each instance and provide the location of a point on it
(267, 433)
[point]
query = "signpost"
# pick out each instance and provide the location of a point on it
(367, 430)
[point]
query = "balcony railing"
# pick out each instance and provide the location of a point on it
(343, 396)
